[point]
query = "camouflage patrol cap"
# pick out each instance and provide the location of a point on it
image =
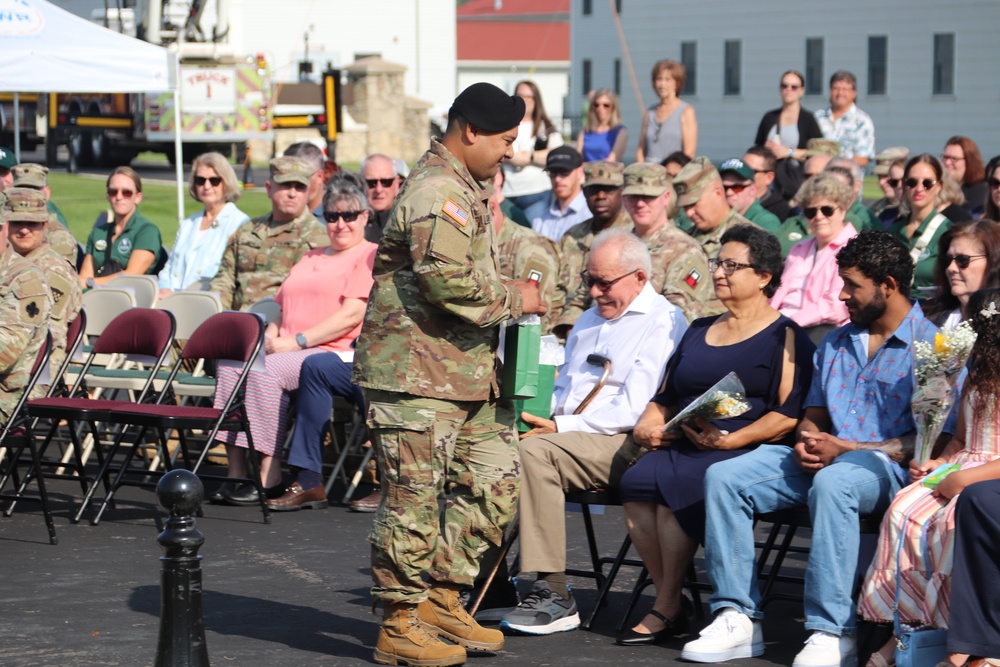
(737, 166)
(24, 205)
(691, 181)
(646, 179)
(30, 175)
(829, 147)
(290, 170)
(603, 173)
(885, 159)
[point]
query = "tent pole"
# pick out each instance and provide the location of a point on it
(178, 149)
(17, 127)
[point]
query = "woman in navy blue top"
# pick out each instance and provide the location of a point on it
(662, 493)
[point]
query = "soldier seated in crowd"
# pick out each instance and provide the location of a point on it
(701, 195)
(25, 304)
(592, 448)
(36, 176)
(313, 156)
(262, 251)
(27, 222)
(602, 187)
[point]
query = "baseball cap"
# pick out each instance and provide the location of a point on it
(7, 159)
(738, 167)
(564, 158)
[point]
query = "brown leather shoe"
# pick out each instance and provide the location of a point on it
(367, 504)
(296, 499)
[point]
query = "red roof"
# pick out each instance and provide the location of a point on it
(477, 8)
(512, 40)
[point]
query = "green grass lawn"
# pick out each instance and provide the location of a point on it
(82, 198)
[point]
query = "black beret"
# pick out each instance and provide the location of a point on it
(488, 108)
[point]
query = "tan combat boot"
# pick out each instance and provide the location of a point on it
(403, 640)
(443, 613)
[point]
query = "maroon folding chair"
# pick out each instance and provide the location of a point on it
(15, 439)
(228, 338)
(143, 335)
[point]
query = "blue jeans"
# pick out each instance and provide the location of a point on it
(768, 479)
(322, 377)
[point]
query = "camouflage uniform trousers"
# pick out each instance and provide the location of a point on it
(426, 447)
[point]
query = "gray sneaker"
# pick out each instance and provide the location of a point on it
(543, 612)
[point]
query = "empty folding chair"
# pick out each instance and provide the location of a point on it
(146, 288)
(267, 308)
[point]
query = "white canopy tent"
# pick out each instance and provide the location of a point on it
(45, 49)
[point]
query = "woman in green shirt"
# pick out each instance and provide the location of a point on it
(919, 224)
(122, 240)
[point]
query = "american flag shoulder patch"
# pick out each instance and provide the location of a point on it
(455, 212)
(693, 278)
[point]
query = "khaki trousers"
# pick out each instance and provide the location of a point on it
(551, 465)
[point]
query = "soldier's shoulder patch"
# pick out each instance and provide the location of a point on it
(29, 283)
(452, 210)
(693, 278)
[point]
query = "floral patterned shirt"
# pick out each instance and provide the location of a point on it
(854, 130)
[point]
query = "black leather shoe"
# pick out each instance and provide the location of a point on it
(672, 627)
(245, 495)
(219, 497)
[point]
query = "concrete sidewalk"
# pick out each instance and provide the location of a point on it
(288, 594)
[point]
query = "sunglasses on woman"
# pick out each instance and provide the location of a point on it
(961, 261)
(811, 211)
(790, 86)
(127, 194)
(928, 183)
(894, 182)
(994, 183)
(334, 216)
(214, 180)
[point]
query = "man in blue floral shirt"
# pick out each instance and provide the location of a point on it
(856, 434)
(843, 121)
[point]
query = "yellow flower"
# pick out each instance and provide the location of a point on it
(939, 344)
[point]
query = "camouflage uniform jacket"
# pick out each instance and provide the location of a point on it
(431, 324)
(261, 253)
(67, 297)
(521, 250)
(573, 250)
(711, 241)
(24, 313)
(62, 241)
(680, 270)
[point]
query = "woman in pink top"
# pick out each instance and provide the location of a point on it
(810, 284)
(323, 303)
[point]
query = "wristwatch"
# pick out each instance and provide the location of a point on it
(300, 338)
(90, 283)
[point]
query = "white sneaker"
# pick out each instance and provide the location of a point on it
(731, 635)
(825, 650)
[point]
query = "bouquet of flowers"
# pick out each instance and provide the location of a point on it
(935, 370)
(726, 398)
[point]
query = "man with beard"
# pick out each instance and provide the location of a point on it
(566, 206)
(852, 444)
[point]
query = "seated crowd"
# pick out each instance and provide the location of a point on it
(769, 266)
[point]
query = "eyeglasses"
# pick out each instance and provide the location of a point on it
(994, 183)
(216, 181)
(729, 267)
(790, 86)
(811, 211)
(961, 261)
(127, 194)
(386, 182)
(952, 158)
(603, 285)
(894, 182)
(928, 183)
(735, 187)
(334, 216)
(603, 105)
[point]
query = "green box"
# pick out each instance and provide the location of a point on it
(520, 354)
(540, 405)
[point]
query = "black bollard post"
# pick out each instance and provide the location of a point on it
(182, 626)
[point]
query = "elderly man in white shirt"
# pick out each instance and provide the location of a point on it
(637, 330)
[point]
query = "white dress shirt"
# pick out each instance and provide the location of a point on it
(638, 342)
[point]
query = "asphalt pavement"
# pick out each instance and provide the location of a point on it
(288, 594)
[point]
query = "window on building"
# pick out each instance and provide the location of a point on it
(689, 58)
(587, 76)
(944, 63)
(814, 66)
(731, 68)
(588, 7)
(878, 64)
(618, 76)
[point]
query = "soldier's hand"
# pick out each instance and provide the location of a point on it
(531, 298)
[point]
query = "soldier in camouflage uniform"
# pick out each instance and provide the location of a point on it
(36, 177)
(27, 219)
(700, 194)
(602, 186)
(262, 251)
(522, 250)
(426, 361)
(24, 313)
